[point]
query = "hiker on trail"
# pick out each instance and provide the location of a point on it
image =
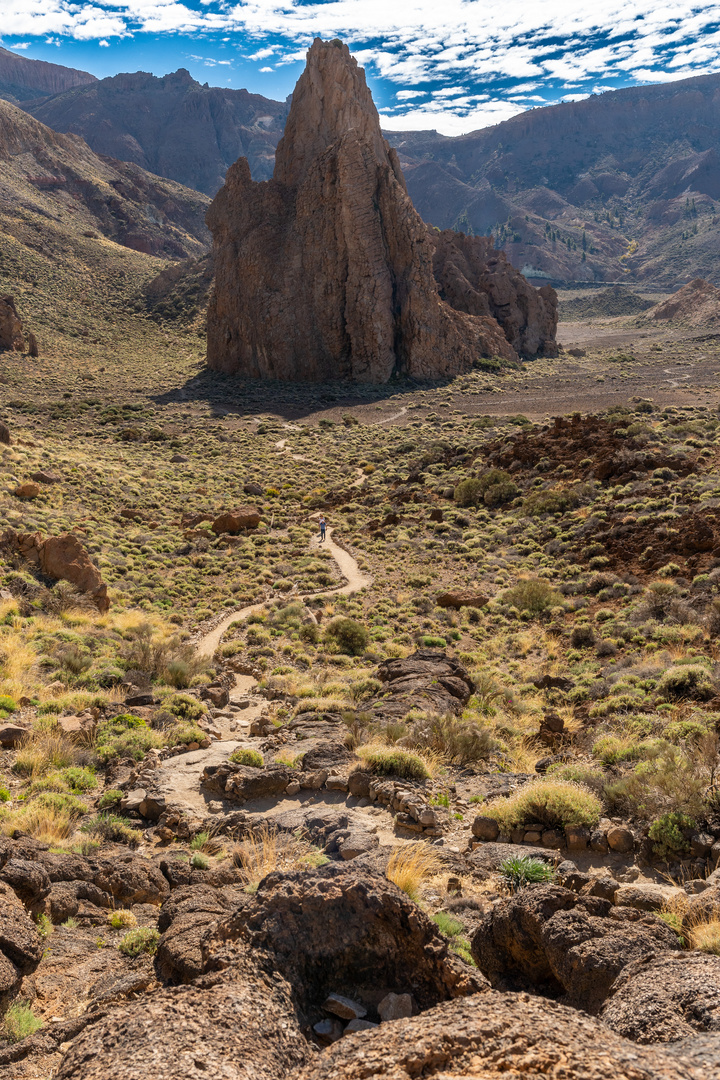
(323, 527)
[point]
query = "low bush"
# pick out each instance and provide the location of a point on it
(347, 635)
(393, 761)
(110, 798)
(114, 829)
(552, 803)
(533, 595)
(457, 740)
(686, 681)
(122, 920)
(19, 1022)
(125, 736)
(185, 707)
(244, 755)
(671, 835)
(142, 940)
(595, 779)
(184, 734)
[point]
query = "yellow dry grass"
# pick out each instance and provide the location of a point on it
(44, 823)
(705, 936)
(258, 856)
(412, 866)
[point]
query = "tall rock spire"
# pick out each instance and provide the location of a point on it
(326, 271)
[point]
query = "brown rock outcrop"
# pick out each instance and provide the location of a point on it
(11, 335)
(60, 557)
(326, 271)
(246, 517)
(474, 277)
(508, 1037)
(665, 998)
(697, 303)
(547, 935)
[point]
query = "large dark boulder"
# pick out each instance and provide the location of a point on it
(549, 936)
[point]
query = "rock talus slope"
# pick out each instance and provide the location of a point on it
(326, 271)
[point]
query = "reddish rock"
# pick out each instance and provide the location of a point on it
(246, 517)
(11, 735)
(461, 599)
(28, 490)
(60, 557)
(4, 434)
(11, 335)
(326, 271)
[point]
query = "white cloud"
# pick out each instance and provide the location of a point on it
(470, 44)
(21, 45)
(104, 43)
(266, 69)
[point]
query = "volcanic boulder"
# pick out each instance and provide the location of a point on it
(326, 271)
(62, 558)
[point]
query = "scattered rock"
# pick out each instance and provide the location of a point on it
(27, 490)
(328, 1031)
(549, 936)
(620, 839)
(395, 1007)
(645, 896)
(11, 335)
(20, 944)
(4, 434)
(344, 1007)
(11, 735)
(459, 600)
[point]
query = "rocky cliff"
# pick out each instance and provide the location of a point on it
(326, 271)
(22, 79)
(172, 126)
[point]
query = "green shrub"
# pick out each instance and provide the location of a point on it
(4, 794)
(79, 778)
(429, 641)
(533, 595)
(19, 1022)
(503, 492)
(110, 798)
(392, 761)
(125, 736)
(591, 778)
(668, 780)
(556, 500)
(670, 834)
(521, 870)
(686, 681)
(468, 492)
(198, 861)
(457, 740)
(246, 756)
(347, 635)
(184, 734)
(185, 707)
(143, 940)
(552, 803)
(114, 829)
(7, 704)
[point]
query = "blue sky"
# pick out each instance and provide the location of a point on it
(453, 65)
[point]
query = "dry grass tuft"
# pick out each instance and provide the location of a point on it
(410, 866)
(258, 856)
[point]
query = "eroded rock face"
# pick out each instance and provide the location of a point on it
(428, 680)
(20, 944)
(474, 277)
(508, 1037)
(11, 335)
(548, 935)
(326, 271)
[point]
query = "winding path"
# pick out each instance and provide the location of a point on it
(356, 580)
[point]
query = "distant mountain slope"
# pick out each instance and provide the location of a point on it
(622, 186)
(22, 79)
(54, 190)
(173, 126)
(637, 169)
